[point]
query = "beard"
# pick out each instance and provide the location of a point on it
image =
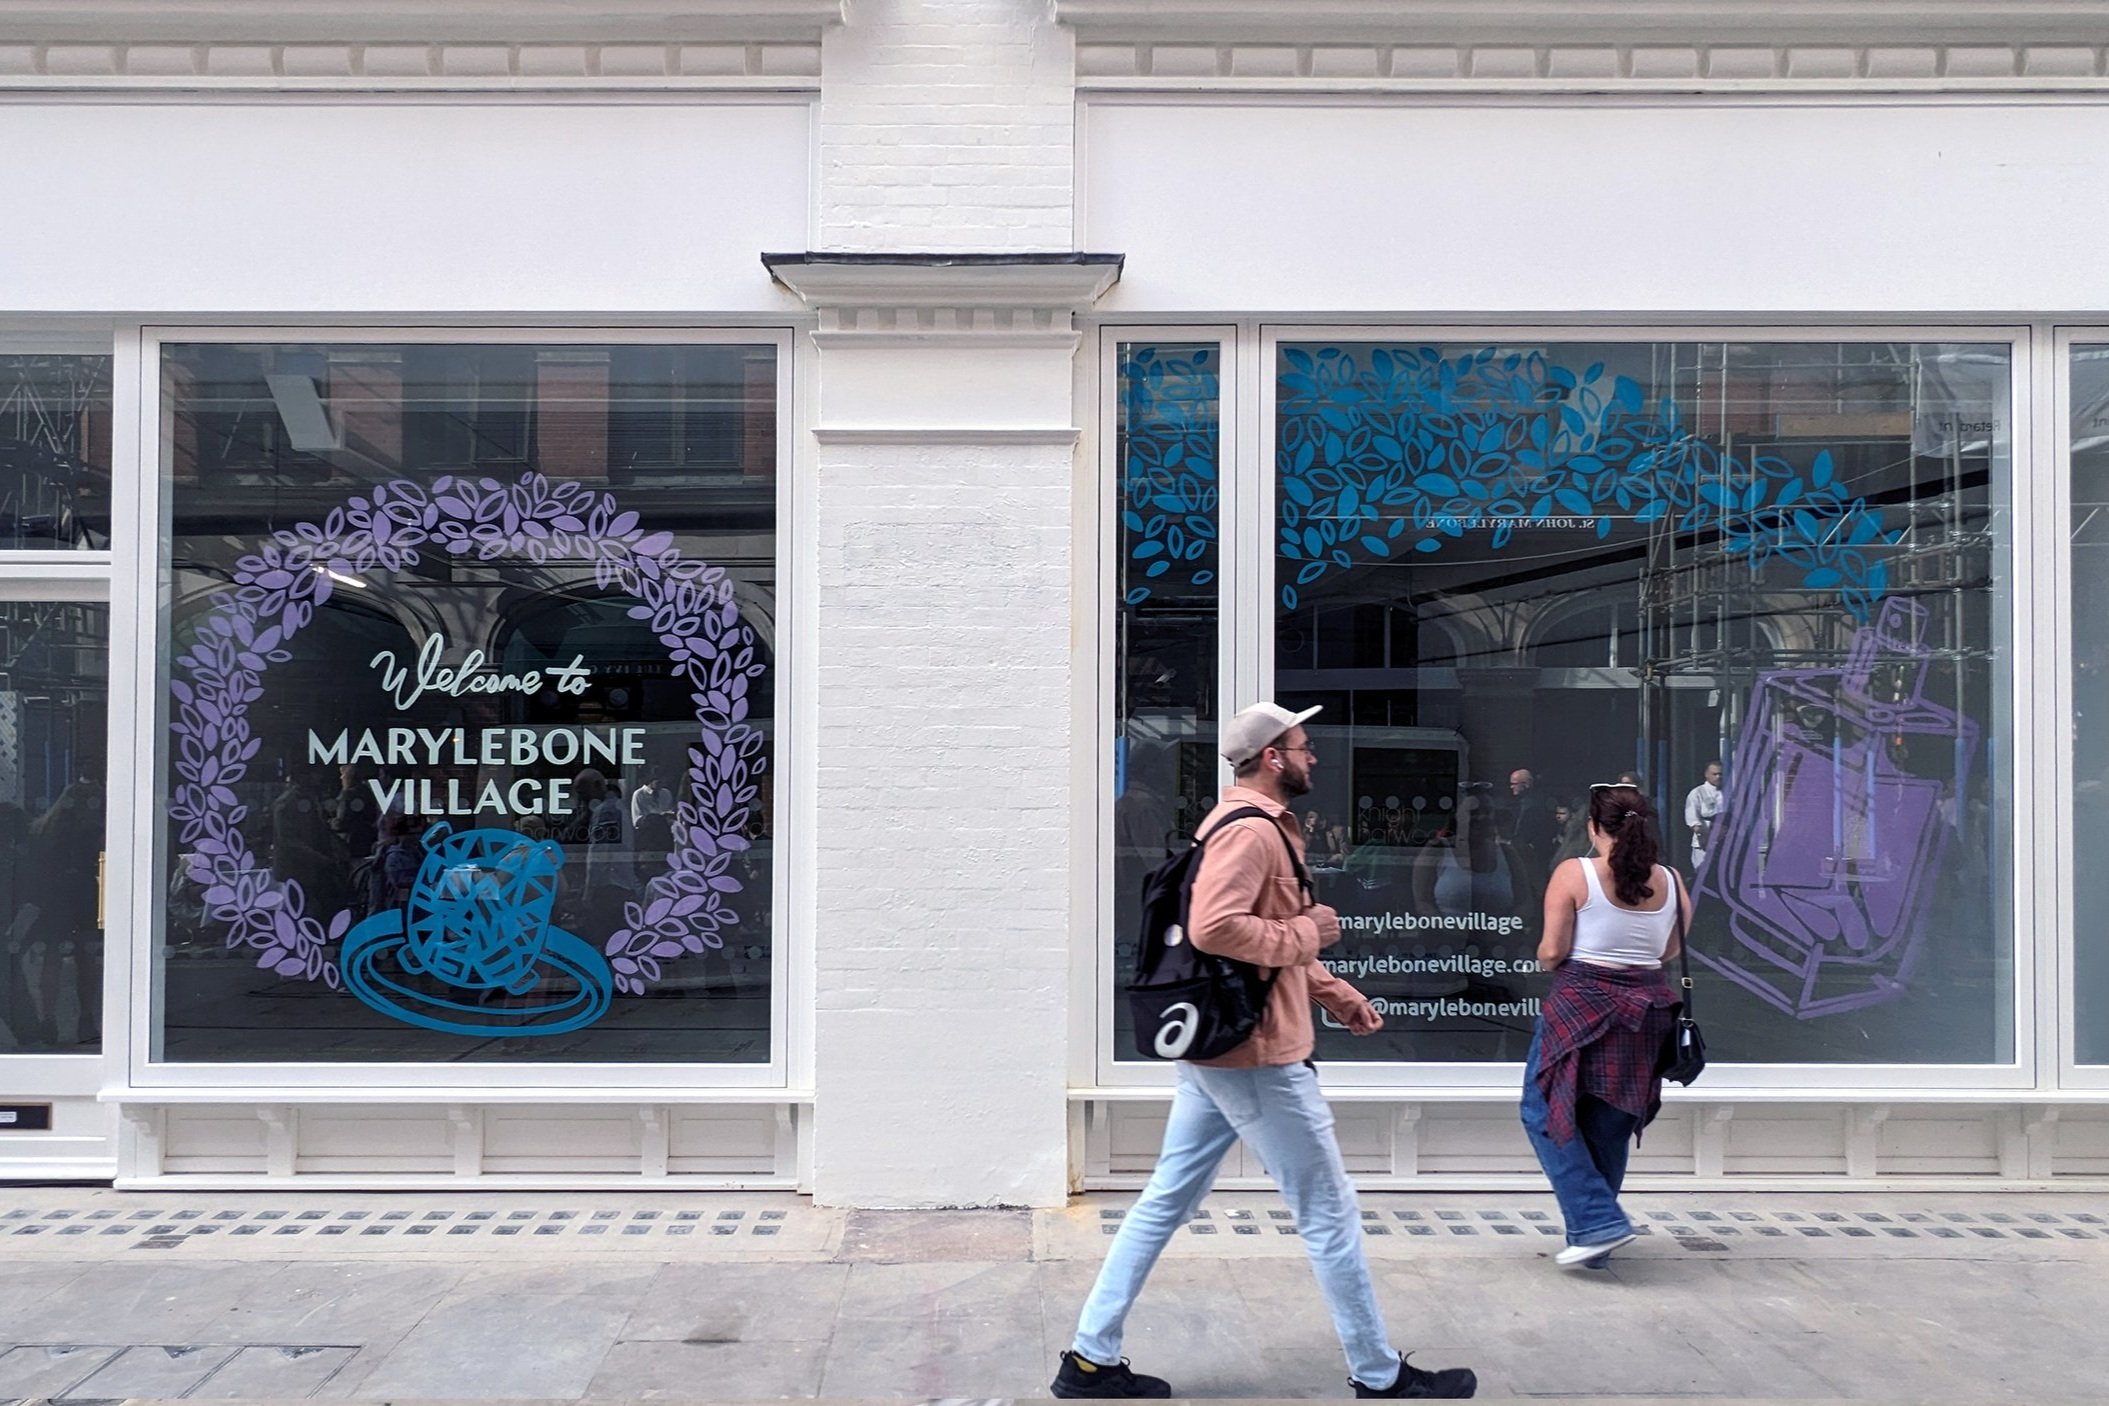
(1296, 783)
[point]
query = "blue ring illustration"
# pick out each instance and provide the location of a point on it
(477, 923)
(381, 937)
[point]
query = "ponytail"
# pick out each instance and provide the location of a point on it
(1624, 814)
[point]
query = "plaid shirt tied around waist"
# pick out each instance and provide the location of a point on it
(1601, 1032)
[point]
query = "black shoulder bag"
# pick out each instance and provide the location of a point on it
(1684, 1049)
(1186, 1003)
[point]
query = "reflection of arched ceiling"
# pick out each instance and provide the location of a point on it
(1780, 624)
(409, 612)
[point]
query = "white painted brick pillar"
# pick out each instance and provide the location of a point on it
(943, 845)
(944, 466)
(947, 124)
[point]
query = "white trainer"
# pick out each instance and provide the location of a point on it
(1582, 1256)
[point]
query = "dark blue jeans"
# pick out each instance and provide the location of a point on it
(1588, 1170)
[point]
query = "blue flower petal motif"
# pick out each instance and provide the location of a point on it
(1388, 452)
(1171, 439)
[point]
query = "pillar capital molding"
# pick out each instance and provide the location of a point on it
(931, 299)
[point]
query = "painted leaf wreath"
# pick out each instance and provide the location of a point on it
(689, 605)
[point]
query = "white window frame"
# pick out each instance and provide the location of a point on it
(77, 577)
(141, 515)
(2057, 703)
(1246, 640)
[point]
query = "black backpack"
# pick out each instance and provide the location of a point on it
(1186, 1003)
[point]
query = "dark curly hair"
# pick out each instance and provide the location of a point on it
(1625, 815)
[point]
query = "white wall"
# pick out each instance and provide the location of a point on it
(432, 208)
(1940, 207)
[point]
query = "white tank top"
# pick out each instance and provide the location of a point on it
(1622, 937)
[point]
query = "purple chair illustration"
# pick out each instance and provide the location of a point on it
(1830, 845)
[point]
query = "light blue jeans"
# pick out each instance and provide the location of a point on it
(1587, 1171)
(1279, 1113)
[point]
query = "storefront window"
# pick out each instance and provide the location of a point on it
(1508, 571)
(469, 697)
(54, 452)
(54, 711)
(1164, 740)
(2090, 724)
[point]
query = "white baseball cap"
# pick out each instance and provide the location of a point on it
(1255, 729)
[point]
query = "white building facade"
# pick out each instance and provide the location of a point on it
(622, 594)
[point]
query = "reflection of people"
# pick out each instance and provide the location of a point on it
(1574, 835)
(1702, 804)
(306, 850)
(1589, 1082)
(653, 797)
(652, 839)
(385, 878)
(1325, 843)
(1526, 820)
(352, 813)
(1476, 870)
(1247, 903)
(58, 869)
(599, 825)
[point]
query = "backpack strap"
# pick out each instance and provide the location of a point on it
(1303, 875)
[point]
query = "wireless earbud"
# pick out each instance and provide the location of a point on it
(1277, 765)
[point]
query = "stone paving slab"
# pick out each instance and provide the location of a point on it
(50, 1369)
(153, 1370)
(1804, 1298)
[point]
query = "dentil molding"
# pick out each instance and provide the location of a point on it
(914, 298)
(1562, 22)
(1592, 45)
(429, 21)
(97, 45)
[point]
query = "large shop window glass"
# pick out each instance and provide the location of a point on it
(54, 452)
(2090, 652)
(469, 680)
(54, 711)
(1767, 578)
(1164, 709)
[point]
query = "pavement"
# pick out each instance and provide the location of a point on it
(568, 1297)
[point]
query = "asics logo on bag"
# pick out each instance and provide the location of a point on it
(1176, 1034)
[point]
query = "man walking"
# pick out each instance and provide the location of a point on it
(1527, 822)
(1248, 903)
(1702, 807)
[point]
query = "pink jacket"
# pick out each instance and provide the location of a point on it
(1247, 904)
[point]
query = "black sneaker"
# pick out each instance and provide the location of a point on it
(1082, 1377)
(1448, 1384)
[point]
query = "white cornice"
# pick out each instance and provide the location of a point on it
(407, 67)
(911, 299)
(1611, 22)
(123, 22)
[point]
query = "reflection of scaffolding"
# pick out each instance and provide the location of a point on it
(46, 406)
(1713, 619)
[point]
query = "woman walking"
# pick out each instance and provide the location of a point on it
(1612, 917)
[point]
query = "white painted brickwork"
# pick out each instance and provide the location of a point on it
(943, 831)
(947, 125)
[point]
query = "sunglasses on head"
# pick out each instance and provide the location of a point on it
(1611, 785)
